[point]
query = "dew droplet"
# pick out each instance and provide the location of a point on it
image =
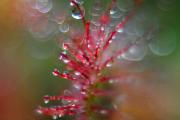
(67, 92)
(76, 14)
(46, 99)
(77, 86)
(120, 30)
(114, 10)
(164, 42)
(64, 46)
(136, 52)
(116, 13)
(39, 111)
(66, 61)
(109, 65)
(77, 73)
(44, 6)
(55, 72)
(60, 19)
(115, 106)
(54, 117)
(60, 115)
(64, 27)
(103, 112)
(111, 81)
(59, 11)
(41, 28)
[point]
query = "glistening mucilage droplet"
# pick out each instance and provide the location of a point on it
(164, 42)
(136, 52)
(76, 14)
(64, 27)
(44, 6)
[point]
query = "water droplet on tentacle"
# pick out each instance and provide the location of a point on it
(109, 65)
(44, 6)
(136, 52)
(64, 58)
(67, 92)
(64, 27)
(164, 42)
(76, 14)
(61, 115)
(103, 112)
(77, 73)
(46, 99)
(67, 101)
(42, 28)
(113, 10)
(54, 117)
(39, 111)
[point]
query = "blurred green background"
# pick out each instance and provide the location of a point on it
(24, 80)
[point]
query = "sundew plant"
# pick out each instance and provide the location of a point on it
(114, 32)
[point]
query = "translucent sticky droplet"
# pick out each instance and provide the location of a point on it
(55, 72)
(164, 43)
(42, 28)
(115, 106)
(54, 117)
(44, 6)
(116, 13)
(39, 111)
(136, 52)
(64, 27)
(66, 61)
(59, 11)
(60, 115)
(111, 81)
(59, 19)
(76, 14)
(77, 73)
(113, 10)
(109, 65)
(103, 112)
(67, 92)
(77, 86)
(120, 30)
(46, 99)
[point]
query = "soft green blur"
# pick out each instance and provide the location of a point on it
(24, 80)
